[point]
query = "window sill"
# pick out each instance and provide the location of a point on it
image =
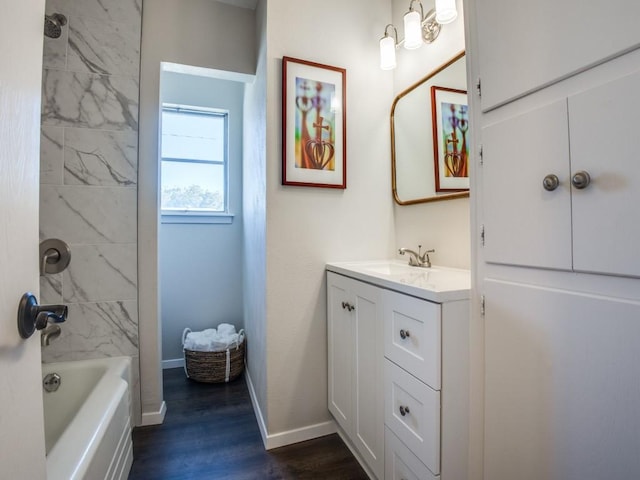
(219, 218)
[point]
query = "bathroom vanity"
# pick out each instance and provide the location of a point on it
(398, 357)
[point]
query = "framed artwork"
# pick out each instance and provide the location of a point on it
(450, 120)
(314, 126)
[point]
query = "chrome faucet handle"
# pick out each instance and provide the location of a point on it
(425, 260)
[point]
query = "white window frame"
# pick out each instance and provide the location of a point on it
(198, 216)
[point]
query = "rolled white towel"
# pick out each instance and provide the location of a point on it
(199, 341)
(223, 342)
(226, 329)
(209, 332)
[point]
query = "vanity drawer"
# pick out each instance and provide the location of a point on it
(412, 335)
(412, 412)
(400, 463)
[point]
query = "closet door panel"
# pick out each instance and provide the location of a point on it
(562, 384)
(524, 223)
(604, 128)
(525, 45)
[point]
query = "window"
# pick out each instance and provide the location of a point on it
(194, 162)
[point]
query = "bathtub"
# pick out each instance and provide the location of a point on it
(88, 420)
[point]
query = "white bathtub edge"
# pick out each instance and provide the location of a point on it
(66, 465)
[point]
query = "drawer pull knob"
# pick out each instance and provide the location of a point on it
(348, 306)
(550, 182)
(404, 334)
(404, 410)
(581, 180)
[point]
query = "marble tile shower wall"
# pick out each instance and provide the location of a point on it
(89, 157)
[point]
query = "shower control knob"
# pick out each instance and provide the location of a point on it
(581, 180)
(550, 182)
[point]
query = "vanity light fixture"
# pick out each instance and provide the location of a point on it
(418, 29)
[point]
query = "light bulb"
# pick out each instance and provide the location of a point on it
(446, 11)
(412, 30)
(387, 53)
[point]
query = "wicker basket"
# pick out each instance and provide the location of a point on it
(215, 367)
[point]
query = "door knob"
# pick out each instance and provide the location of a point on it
(550, 182)
(32, 317)
(581, 180)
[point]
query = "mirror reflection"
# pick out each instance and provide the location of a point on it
(418, 169)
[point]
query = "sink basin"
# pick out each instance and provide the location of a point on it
(437, 284)
(393, 268)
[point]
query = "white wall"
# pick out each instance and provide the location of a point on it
(254, 219)
(307, 227)
(200, 264)
(202, 33)
(440, 225)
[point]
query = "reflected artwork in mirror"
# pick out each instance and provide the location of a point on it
(424, 140)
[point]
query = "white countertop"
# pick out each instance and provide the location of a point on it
(436, 284)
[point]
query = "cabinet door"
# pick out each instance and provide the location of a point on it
(368, 434)
(340, 350)
(525, 45)
(604, 129)
(562, 384)
(524, 223)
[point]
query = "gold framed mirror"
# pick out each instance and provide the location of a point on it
(413, 176)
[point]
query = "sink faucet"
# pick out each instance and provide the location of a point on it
(417, 259)
(49, 333)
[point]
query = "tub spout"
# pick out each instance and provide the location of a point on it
(49, 333)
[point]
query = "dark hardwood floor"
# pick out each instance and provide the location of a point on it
(210, 432)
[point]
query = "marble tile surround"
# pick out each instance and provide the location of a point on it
(96, 330)
(71, 99)
(88, 215)
(88, 176)
(101, 273)
(98, 157)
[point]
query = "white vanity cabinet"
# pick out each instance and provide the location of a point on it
(354, 330)
(398, 367)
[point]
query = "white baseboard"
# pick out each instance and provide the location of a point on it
(154, 418)
(256, 408)
(281, 439)
(173, 363)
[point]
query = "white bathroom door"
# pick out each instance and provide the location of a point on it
(22, 452)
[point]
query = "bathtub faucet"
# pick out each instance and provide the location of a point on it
(418, 259)
(49, 333)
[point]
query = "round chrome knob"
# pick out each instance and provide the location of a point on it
(404, 410)
(550, 182)
(404, 334)
(581, 180)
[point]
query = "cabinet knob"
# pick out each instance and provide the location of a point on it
(581, 180)
(404, 410)
(347, 306)
(404, 334)
(550, 182)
